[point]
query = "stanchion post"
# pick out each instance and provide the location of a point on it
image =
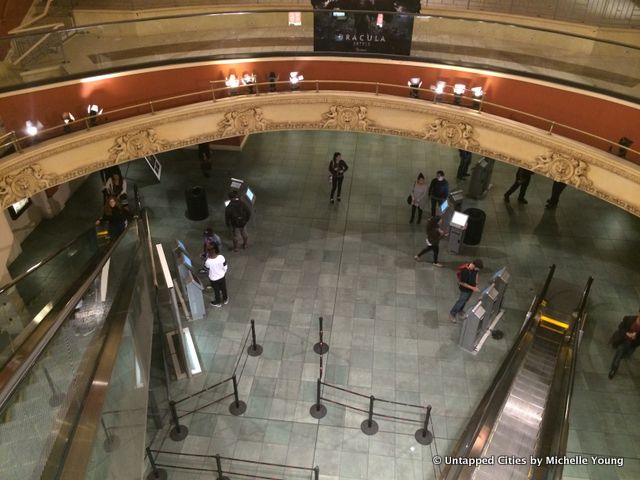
(56, 398)
(321, 348)
(219, 468)
(155, 473)
(111, 442)
(178, 432)
(318, 410)
(254, 349)
(423, 435)
(369, 426)
(316, 473)
(238, 407)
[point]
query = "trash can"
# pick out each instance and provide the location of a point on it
(197, 208)
(475, 225)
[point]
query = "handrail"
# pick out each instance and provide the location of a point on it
(306, 9)
(552, 440)
(152, 105)
(502, 380)
(28, 352)
(42, 262)
(27, 25)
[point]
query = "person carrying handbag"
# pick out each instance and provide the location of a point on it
(418, 198)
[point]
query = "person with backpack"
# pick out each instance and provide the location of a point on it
(438, 191)
(434, 234)
(217, 266)
(237, 215)
(467, 276)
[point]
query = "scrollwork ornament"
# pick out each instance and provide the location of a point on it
(134, 145)
(340, 117)
(455, 134)
(242, 122)
(23, 184)
(563, 168)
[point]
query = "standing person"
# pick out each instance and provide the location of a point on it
(209, 240)
(556, 189)
(237, 215)
(116, 215)
(204, 155)
(523, 177)
(434, 234)
(216, 264)
(463, 166)
(418, 198)
(625, 340)
(438, 191)
(337, 168)
(467, 275)
(116, 186)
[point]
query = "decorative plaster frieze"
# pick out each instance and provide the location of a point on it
(137, 144)
(24, 183)
(241, 122)
(342, 117)
(563, 168)
(454, 134)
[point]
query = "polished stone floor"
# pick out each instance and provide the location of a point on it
(385, 315)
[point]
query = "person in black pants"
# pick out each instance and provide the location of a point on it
(434, 234)
(556, 190)
(438, 191)
(337, 168)
(463, 167)
(523, 177)
(625, 340)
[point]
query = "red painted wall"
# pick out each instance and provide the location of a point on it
(595, 115)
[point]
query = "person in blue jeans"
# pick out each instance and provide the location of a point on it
(467, 283)
(625, 340)
(438, 191)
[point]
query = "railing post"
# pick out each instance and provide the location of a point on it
(152, 110)
(15, 142)
(238, 407)
(377, 88)
(316, 473)
(320, 348)
(369, 426)
(317, 86)
(56, 398)
(213, 94)
(178, 432)
(111, 442)
(155, 473)
(219, 468)
(423, 435)
(254, 350)
(553, 124)
(318, 410)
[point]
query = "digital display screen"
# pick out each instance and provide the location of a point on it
(250, 195)
(19, 207)
(226, 203)
(444, 205)
(186, 260)
(459, 219)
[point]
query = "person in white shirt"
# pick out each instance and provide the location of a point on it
(217, 266)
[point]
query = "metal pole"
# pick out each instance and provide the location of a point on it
(156, 473)
(553, 124)
(317, 86)
(178, 432)
(316, 473)
(320, 348)
(106, 431)
(370, 419)
(369, 426)
(254, 349)
(238, 407)
(152, 110)
(377, 88)
(219, 468)
(423, 436)
(213, 94)
(16, 143)
(318, 410)
(152, 462)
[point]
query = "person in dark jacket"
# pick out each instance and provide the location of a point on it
(438, 191)
(204, 155)
(467, 284)
(236, 216)
(463, 166)
(116, 215)
(523, 177)
(434, 234)
(556, 189)
(337, 168)
(625, 340)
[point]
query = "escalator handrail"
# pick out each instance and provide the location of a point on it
(464, 444)
(43, 262)
(552, 440)
(19, 364)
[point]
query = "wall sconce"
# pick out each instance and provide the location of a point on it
(273, 78)
(295, 19)
(415, 83)
(94, 111)
(295, 78)
(438, 89)
(67, 117)
(249, 80)
(379, 20)
(478, 93)
(32, 128)
(233, 83)
(458, 91)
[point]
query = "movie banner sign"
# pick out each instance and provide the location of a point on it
(381, 27)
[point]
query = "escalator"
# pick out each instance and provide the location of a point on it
(524, 413)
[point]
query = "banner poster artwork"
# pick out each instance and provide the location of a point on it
(381, 27)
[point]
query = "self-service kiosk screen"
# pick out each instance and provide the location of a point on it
(459, 219)
(250, 195)
(181, 245)
(444, 205)
(186, 260)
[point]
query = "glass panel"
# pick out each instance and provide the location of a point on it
(30, 421)
(23, 305)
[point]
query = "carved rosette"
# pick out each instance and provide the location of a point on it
(340, 117)
(242, 122)
(23, 184)
(135, 145)
(563, 168)
(454, 134)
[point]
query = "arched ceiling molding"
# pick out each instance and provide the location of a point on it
(62, 159)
